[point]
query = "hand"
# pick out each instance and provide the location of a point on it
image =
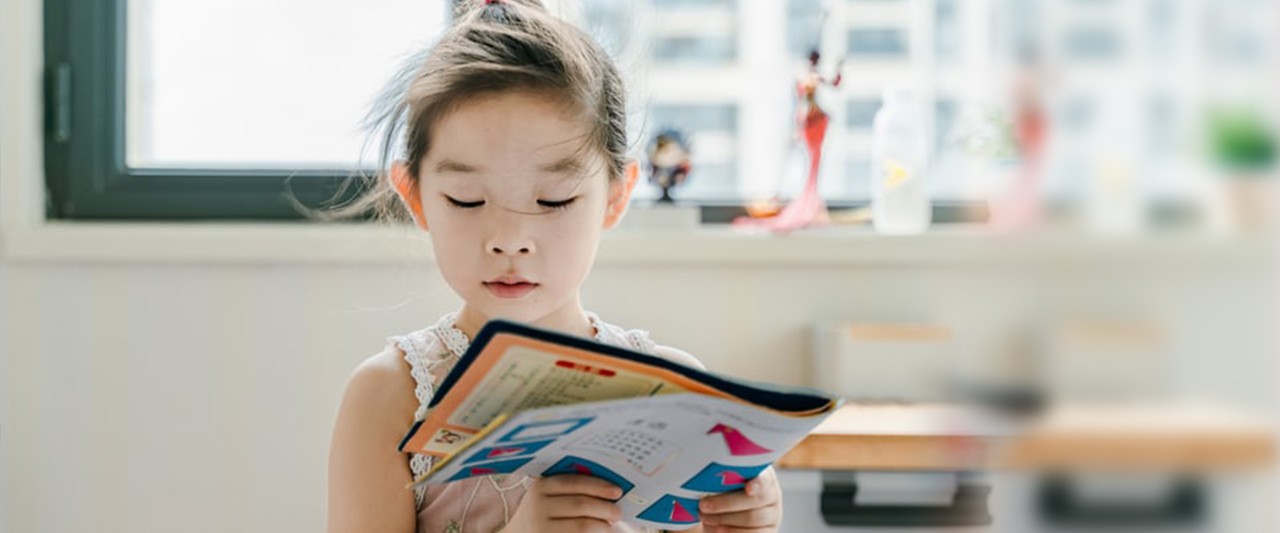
(568, 502)
(757, 507)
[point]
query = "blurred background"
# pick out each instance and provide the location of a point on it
(1101, 180)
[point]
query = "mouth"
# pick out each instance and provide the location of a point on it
(510, 287)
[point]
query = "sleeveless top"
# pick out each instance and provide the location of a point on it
(484, 504)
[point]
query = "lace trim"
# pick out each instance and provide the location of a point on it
(418, 347)
(636, 339)
(422, 350)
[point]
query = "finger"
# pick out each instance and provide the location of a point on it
(758, 517)
(578, 506)
(766, 481)
(582, 525)
(737, 500)
(578, 484)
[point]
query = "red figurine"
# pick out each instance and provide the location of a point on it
(1018, 207)
(807, 209)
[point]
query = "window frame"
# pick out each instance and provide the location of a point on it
(84, 152)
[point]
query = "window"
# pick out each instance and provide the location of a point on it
(286, 92)
(173, 109)
(187, 109)
(723, 71)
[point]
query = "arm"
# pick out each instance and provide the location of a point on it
(367, 475)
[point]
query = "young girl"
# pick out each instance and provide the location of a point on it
(509, 138)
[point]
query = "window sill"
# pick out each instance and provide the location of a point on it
(365, 244)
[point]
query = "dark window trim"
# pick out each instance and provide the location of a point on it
(86, 174)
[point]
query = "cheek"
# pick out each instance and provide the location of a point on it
(575, 229)
(571, 244)
(454, 245)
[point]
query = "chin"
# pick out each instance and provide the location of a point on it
(514, 311)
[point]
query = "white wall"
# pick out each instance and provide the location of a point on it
(149, 382)
(139, 396)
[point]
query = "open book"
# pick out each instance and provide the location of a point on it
(531, 402)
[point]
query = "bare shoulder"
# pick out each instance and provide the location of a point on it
(383, 381)
(367, 474)
(679, 356)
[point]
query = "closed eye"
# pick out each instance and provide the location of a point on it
(561, 204)
(461, 204)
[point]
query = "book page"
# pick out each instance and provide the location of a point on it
(528, 379)
(665, 452)
(513, 368)
(516, 373)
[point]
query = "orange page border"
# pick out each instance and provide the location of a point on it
(494, 352)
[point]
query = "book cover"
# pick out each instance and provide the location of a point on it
(524, 401)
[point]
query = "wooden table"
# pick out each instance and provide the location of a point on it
(932, 437)
(902, 437)
(1064, 442)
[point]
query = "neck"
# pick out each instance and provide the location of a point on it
(571, 319)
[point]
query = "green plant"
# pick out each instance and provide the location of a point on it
(1241, 139)
(987, 133)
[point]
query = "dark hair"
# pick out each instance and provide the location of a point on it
(492, 47)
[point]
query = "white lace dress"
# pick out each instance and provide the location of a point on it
(477, 505)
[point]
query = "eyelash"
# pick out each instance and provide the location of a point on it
(562, 204)
(463, 205)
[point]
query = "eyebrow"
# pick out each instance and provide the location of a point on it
(568, 165)
(449, 165)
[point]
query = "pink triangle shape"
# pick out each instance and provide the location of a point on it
(679, 514)
(738, 443)
(499, 452)
(729, 477)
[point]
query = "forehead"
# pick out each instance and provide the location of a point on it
(510, 130)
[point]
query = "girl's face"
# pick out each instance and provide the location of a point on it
(515, 206)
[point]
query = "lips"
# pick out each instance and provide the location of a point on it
(510, 287)
(509, 280)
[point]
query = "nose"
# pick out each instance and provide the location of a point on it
(509, 245)
(508, 234)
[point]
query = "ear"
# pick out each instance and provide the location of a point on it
(404, 185)
(620, 195)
